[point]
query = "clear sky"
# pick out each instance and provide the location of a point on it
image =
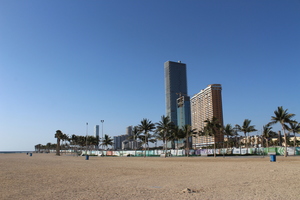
(65, 63)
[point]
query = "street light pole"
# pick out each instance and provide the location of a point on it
(102, 121)
(86, 138)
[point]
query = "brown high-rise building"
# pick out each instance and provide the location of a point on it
(206, 105)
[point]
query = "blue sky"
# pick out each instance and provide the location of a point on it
(65, 63)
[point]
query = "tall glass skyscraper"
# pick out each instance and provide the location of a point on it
(96, 131)
(183, 117)
(175, 86)
(183, 111)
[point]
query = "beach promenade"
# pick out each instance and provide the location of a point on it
(46, 176)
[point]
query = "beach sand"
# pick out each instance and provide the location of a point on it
(46, 176)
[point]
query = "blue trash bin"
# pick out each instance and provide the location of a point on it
(87, 157)
(272, 158)
(30, 154)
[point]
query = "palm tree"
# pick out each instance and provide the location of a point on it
(267, 134)
(188, 132)
(228, 131)
(177, 134)
(38, 148)
(295, 128)
(246, 128)
(48, 145)
(134, 136)
(236, 136)
(74, 141)
(88, 142)
(288, 140)
(297, 142)
(81, 141)
(53, 146)
(145, 139)
(164, 127)
(107, 141)
(205, 133)
(213, 127)
(146, 126)
(59, 136)
(65, 138)
(282, 117)
(158, 135)
(92, 141)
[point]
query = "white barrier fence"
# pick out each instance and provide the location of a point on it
(198, 152)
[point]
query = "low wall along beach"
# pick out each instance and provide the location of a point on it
(198, 152)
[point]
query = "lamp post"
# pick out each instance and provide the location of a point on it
(102, 121)
(86, 138)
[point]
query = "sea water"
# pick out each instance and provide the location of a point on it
(15, 152)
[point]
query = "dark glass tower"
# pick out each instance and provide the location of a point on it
(175, 86)
(183, 111)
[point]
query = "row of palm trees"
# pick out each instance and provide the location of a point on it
(281, 116)
(75, 141)
(287, 123)
(45, 148)
(166, 131)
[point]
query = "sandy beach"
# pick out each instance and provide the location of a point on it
(46, 176)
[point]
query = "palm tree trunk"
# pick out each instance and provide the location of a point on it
(206, 144)
(135, 144)
(148, 147)
(214, 146)
(294, 143)
(166, 147)
(187, 146)
(145, 145)
(279, 139)
(227, 140)
(58, 147)
(285, 149)
(246, 142)
(177, 149)
(285, 142)
(224, 148)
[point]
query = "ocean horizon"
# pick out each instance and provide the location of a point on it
(16, 151)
